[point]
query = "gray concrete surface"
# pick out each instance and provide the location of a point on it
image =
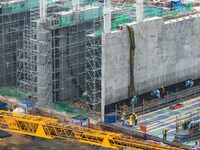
(166, 53)
(44, 64)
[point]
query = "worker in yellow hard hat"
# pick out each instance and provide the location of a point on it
(131, 120)
(123, 118)
(162, 90)
(164, 133)
(135, 117)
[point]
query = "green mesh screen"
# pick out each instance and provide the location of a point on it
(65, 21)
(119, 20)
(67, 7)
(70, 109)
(27, 5)
(188, 6)
(30, 4)
(72, 18)
(5, 91)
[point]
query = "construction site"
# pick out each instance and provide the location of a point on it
(112, 74)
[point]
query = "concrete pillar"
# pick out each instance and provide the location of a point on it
(107, 16)
(103, 81)
(139, 10)
(44, 63)
(75, 5)
(43, 9)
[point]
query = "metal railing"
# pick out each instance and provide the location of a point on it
(169, 99)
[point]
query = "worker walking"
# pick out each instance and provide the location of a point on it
(135, 117)
(164, 133)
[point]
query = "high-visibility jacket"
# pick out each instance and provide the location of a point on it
(131, 120)
(122, 117)
(135, 116)
(164, 131)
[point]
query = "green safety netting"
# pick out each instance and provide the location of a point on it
(65, 21)
(5, 91)
(128, 5)
(67, 7)
(27, 5)
(70, 109)
(119, 20)
(152, 11)
(170, 14)
(188, 6)
(72, 18)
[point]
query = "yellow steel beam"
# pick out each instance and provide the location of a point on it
(51, 128)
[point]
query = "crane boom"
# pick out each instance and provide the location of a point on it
(50, 128)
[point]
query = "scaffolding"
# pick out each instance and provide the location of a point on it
(93, 66)
(11, 38)
(60, 60)
(27, 57)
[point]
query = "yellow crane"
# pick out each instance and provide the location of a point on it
(50, 128)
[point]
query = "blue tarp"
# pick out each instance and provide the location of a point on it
(26, 103)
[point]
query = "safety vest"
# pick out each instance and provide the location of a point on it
(164, 131)
(131, 120)
(122, 117)
(135, 116)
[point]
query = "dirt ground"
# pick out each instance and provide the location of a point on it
(22, 142)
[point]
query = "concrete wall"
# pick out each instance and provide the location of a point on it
(44, 64)
(166, 53)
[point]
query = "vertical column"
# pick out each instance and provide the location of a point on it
(44, 63)
(107, 30)
(107, 16)
(43, 9)
(103, 80)
(139, 10)
(75, 5)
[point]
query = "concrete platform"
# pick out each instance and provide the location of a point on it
(166, 117)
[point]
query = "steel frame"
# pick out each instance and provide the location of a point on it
(51, 128)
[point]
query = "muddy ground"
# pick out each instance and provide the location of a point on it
(22, 142)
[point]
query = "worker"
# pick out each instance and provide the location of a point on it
(164, 133)
(131, 121)
(123, 118)
(135, 117)
(162, 92)
(158, 93)
(189, 83)
(155, 93)
(134, 101)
